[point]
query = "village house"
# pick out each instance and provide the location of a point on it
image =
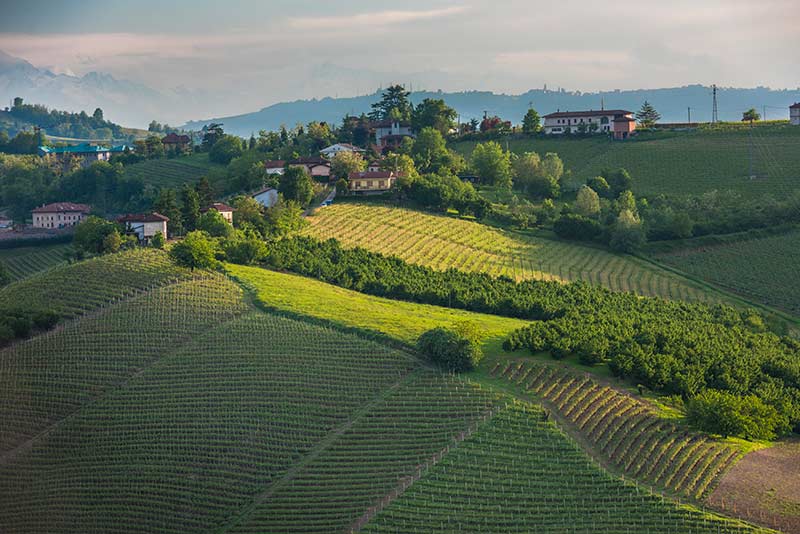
(389, 134)
(371, 181)
(275, 166)
(267, 197)
(618, 122)
(6, 223)
(331, 151)
(145, 225)
(794, 114)
(316, 167)
(85, 153)
(177, 143)
(223, 209)
(59, 215)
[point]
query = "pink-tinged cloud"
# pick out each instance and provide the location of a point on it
(375, 19)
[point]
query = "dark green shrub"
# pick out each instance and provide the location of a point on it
(726, 414)
(576, 227)
(455, 350)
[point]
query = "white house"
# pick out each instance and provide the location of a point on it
(267, 197)
(275, 166)
(145, 225)
(331, 151)
(389, 134)
(223, 209)
(794, 114)
(600, 121)
(59, 215)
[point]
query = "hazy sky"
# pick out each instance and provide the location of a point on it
(256, 53)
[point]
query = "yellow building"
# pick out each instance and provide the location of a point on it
(371, 181)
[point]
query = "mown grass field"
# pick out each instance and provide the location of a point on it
(182, 408)
(172, 172)
(675, 163)
(763, 269)
(24, 261)
(445, 242)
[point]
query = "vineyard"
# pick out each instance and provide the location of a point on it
(171, 172)
(402, 321)
(626, 432)
(763, 269)
(442, 242)
(682, 162)
(517, 473)
(101, 280)
(25, 261)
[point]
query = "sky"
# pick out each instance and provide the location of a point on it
(250, 54)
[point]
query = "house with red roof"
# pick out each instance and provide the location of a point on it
(177, 143)
(223, 209)
(617, 122)
(794, 114)
(371, 181)
(59, 215)
(145, 225)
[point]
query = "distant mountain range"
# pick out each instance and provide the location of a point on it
(672, 103)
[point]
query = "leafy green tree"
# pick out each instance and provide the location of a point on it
(587, 202)
(205, 193)
(531, 123)
(527, 168)
(225, 149)
(452, 349)
(576, 227)
(433, 113)
(245, 248)
(430, 152)
(626, 202)
(93, 236)
(211, 134)
(726, 414)
(627, 233)
(214, 224)
(342, 186)
(195, 251)
(249, 214)
(544, 179)
(295, 184)
(492, 164)
(619, 180)
(647, 116)
(751, 116)
(167, 205)
(284, 217)
(158, 241)
(394, 103)
(345, 163)
(190, 207)
(600, 186)
(98, 115)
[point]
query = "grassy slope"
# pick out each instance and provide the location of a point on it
(444, 242)
(24, 261)
(681, 162)
(172, 172)
(763, 269)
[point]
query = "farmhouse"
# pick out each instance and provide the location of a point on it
(145, 226)
(223, 209)
(331, 151)
(389, 134)
(371, 181)
(794, 114)
(317, 167)
(275, 166)
(601, 121)
(267, 197)
(176, 143)
(59, 215)
(85, 153)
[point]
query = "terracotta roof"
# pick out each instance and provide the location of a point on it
(312, 160)
(174, 138)
(371, 174)
(219, 206)
(143, 217)
(62, 207)
(590, 113)
(275, 164)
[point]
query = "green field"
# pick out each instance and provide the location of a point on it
(24, 261)
(763, 269)
(675, 163)
(445, 242)
(172, 172)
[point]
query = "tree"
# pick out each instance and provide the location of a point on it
(619, 180)
(5, 277)
(190, 207)
(158, 241)
(627, 233)
(92, 236)
(394, 103)
(211, 134)
(345, 163)
(249, 214)
(751, 115)
(17, 102)
(492, 164)
(225, 149)
(284, 217)
(195, 251)
(576, 227)
(587, 202)
(647, 116)
(245, 248)
(452, 349)
(166, 204)
(214, 224)
(600, 186)
(204, 192)
(98, 115)
(527, 167)
(531, 123)
(295, 184)
(545, 181)
(430, 152)
(434, 113)
(724, 413)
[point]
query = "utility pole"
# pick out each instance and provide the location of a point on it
(714, 113)
(750, 150)
(689, 114)
(763, 113)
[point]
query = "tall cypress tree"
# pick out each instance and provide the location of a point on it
(167, 204)
(190, 208)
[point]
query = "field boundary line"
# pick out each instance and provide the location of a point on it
(314, 452)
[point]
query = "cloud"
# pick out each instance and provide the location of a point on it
(366, 20)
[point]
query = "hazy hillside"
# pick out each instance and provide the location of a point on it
(672, 103)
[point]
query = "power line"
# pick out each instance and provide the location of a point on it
(714, 112)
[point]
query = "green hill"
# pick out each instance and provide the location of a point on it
(172, 172)
(676, 163)
(22, 262)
